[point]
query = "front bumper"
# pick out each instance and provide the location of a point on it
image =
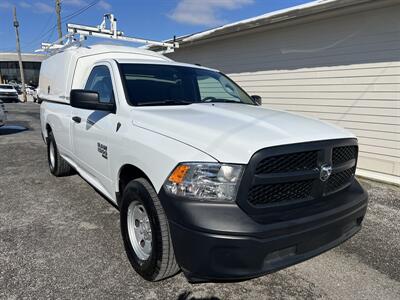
(220, 242)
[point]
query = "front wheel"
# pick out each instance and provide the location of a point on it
(145, 232)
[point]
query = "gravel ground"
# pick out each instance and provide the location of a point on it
(61, 239)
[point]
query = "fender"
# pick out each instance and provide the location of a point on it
(155, 154)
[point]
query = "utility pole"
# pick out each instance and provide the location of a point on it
(58, 12)
(21, 68)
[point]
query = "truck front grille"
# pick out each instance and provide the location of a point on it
(339, 180)
(280, 192)
(292, 174)
(343, 154)
(288, 162)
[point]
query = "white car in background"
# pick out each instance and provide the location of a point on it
(29, 90)
(8, 93)
(3, 114)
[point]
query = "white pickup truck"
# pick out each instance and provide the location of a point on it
(206, 180)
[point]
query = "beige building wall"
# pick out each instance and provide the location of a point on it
(344, 70)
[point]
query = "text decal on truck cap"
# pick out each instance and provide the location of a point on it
(102, 149)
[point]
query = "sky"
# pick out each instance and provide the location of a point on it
(151, 19)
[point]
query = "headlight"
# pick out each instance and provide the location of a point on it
(205, 181)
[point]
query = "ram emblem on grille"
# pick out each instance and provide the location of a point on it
(325, 172)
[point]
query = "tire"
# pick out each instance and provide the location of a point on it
(160, 262)
(58, 166)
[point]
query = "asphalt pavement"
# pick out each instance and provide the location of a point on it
(59, 239)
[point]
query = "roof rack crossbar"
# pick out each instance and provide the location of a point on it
(78, 33)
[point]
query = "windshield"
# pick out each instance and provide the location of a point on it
(148, 84)
(6, 87)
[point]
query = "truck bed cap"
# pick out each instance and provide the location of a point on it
(114, 49)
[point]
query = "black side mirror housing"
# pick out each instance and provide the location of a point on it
(85, 99)
(257, 100)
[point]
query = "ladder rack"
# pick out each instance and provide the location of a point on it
(79, 33)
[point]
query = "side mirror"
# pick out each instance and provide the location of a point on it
(89, 100)
(257, 100)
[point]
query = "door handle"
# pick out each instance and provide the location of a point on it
(76, 119)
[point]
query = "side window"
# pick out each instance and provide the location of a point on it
(212, 87)
(100, 81)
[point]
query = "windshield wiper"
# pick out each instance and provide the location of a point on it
(165, 102)
(221, 100)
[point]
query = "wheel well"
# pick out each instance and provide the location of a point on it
(48, 128)
(127, 174)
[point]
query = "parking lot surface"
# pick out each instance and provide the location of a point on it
(60, 239)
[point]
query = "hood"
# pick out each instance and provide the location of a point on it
(232, 133)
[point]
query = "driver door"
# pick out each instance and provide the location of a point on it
(91, 129)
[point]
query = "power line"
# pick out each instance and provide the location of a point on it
(40, 35)
(80, 11)
(49, 37)
(65, 19)
(34, 40)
